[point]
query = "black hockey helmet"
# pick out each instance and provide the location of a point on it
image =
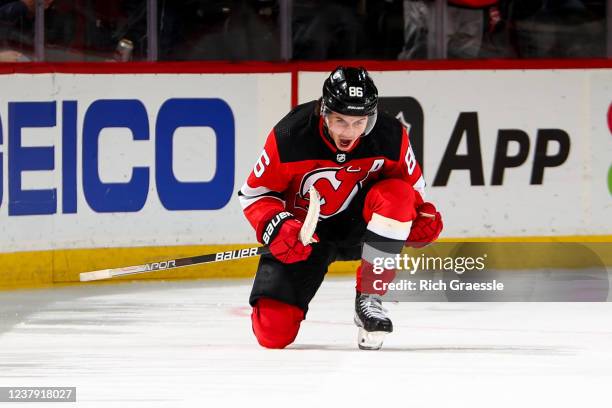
(351, 91)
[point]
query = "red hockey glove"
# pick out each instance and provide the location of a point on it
(426, 227)
(281, 234)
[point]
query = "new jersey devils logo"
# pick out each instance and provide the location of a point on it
(337, 186)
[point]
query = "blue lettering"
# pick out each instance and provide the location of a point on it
(114, 197)
(210, 195)
(129, 196)
(69, 156)
(33, 115)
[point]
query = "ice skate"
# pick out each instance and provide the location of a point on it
(372, 321)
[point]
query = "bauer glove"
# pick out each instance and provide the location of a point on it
(281, 234)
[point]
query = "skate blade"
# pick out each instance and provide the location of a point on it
(370, 340)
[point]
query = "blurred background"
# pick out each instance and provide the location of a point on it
(268, 30)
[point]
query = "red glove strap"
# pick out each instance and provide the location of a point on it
(426, 227)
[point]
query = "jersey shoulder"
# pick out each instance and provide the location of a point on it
(386, 137)
(295, 133)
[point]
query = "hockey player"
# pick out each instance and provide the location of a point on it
(371, 188)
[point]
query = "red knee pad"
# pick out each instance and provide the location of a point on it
(392, 198)
(275, 324)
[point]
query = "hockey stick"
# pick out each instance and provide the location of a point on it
(306, 233)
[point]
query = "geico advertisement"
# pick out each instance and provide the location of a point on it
(505, 153)
(125, 160)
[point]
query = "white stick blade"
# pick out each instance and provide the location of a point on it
(312, 217)
(95, 275)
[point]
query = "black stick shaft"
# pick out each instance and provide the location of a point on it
(175, 263)
(222, 256)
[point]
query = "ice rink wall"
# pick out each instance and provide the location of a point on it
(110, 165)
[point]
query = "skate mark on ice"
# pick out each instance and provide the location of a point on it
(471, 329)
(514, 330)
(495, 349)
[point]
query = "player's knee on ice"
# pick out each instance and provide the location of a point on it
(275, 324)
(391, 198)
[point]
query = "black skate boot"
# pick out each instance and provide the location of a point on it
(372, 320)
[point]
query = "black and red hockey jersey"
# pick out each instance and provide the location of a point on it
(298, 154)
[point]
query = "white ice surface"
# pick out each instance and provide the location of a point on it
(175, 344)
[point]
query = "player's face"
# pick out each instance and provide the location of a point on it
(345, 130)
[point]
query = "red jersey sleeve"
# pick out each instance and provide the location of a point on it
(407, 167)
(262, 196)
